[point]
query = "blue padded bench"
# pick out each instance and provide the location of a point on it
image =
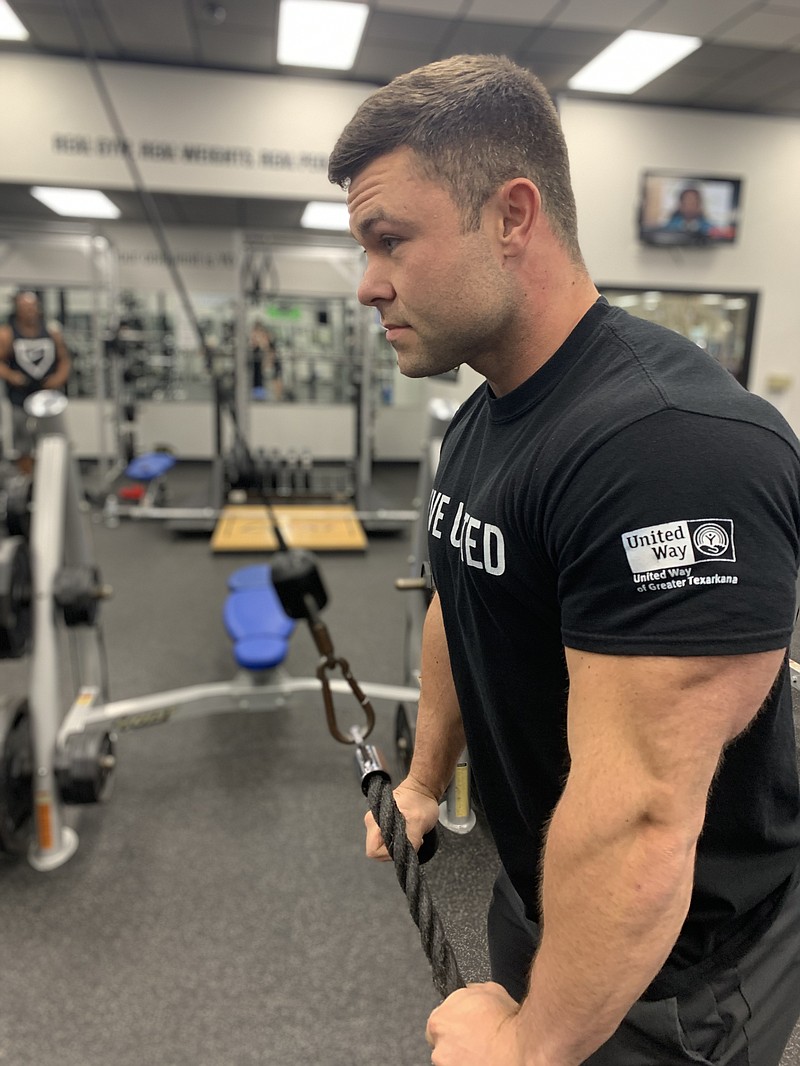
(149, 466)
(255, 620)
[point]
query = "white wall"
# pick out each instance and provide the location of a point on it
(188, 130)
(611, 144)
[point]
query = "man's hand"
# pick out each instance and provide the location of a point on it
(15, 377)
(476, 1026)
(420, 810)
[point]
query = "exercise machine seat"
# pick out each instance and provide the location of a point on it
(255, 620)
(250, 577)
(149, 466)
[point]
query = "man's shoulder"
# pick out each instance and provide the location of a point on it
(685, 377)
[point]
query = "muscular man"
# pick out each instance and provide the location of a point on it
(32, 357)
(614, 534)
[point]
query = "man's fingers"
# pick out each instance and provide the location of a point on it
(375, 847)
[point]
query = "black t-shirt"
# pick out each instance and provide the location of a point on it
(629, 498)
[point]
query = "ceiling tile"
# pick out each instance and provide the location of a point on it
(53, 28)
(524, 12)
(757, 82)
(764, 28)
(23, 7)
(554, 73)
(486, 37)
(577, 43)
(614, 15)
(447, 8)
(675, 86)
(258, 15)
(692, 17)
(720, 59)
(380, 62)
(150, 27)
(253, 51)
(391, 28)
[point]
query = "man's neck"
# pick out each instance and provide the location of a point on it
(554, 316)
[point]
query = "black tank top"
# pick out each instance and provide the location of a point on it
(35, 357)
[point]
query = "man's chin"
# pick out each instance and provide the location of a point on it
(411, 366)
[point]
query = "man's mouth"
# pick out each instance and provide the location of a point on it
(393, 330)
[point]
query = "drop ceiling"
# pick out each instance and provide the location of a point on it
(749, 60)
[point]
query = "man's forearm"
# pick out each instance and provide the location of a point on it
(615, 892)
(439, 738)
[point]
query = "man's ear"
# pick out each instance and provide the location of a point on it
(520, 204)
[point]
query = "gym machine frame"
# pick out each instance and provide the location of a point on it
(73, 749)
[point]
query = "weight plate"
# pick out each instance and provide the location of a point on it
(19, 491)
(84, 772)
(16, 616)
(16, 782)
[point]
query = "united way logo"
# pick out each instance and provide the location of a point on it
(712, 540)
(682, 543)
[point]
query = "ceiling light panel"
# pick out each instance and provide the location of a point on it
(324, 214)
(76, 203)
(11, 29)
(633, 60)
(320, 33)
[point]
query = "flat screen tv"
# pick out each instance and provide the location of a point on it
(683, 209)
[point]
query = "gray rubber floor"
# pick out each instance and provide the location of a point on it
(219, 911)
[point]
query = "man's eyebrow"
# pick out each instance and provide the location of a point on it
(363, 228)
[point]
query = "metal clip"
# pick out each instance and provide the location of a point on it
(329, 663)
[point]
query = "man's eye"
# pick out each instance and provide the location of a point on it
(390, 243)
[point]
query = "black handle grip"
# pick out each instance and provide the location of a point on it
(429, 846)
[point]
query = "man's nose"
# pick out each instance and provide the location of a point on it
(375, 286)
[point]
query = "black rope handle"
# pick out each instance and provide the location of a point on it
(446, 975)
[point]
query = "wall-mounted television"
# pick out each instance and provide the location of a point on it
(683, 209)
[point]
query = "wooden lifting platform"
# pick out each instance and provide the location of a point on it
(323, 528)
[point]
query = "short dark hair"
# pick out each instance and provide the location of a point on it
(474, 122)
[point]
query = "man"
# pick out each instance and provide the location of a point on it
(32, 357)
(614, 534)
(689, 215)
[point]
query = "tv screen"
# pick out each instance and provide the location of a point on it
(682, 209)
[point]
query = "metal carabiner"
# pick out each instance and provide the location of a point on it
(328, 663)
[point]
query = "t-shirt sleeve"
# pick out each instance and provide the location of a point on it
(680, 536)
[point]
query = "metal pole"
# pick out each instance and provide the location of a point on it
(103, 452)
(365, 427)
(242, 389)
(55, 842)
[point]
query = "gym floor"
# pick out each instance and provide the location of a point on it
(219, 911)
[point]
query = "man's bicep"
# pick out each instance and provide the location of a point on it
(656, 726)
